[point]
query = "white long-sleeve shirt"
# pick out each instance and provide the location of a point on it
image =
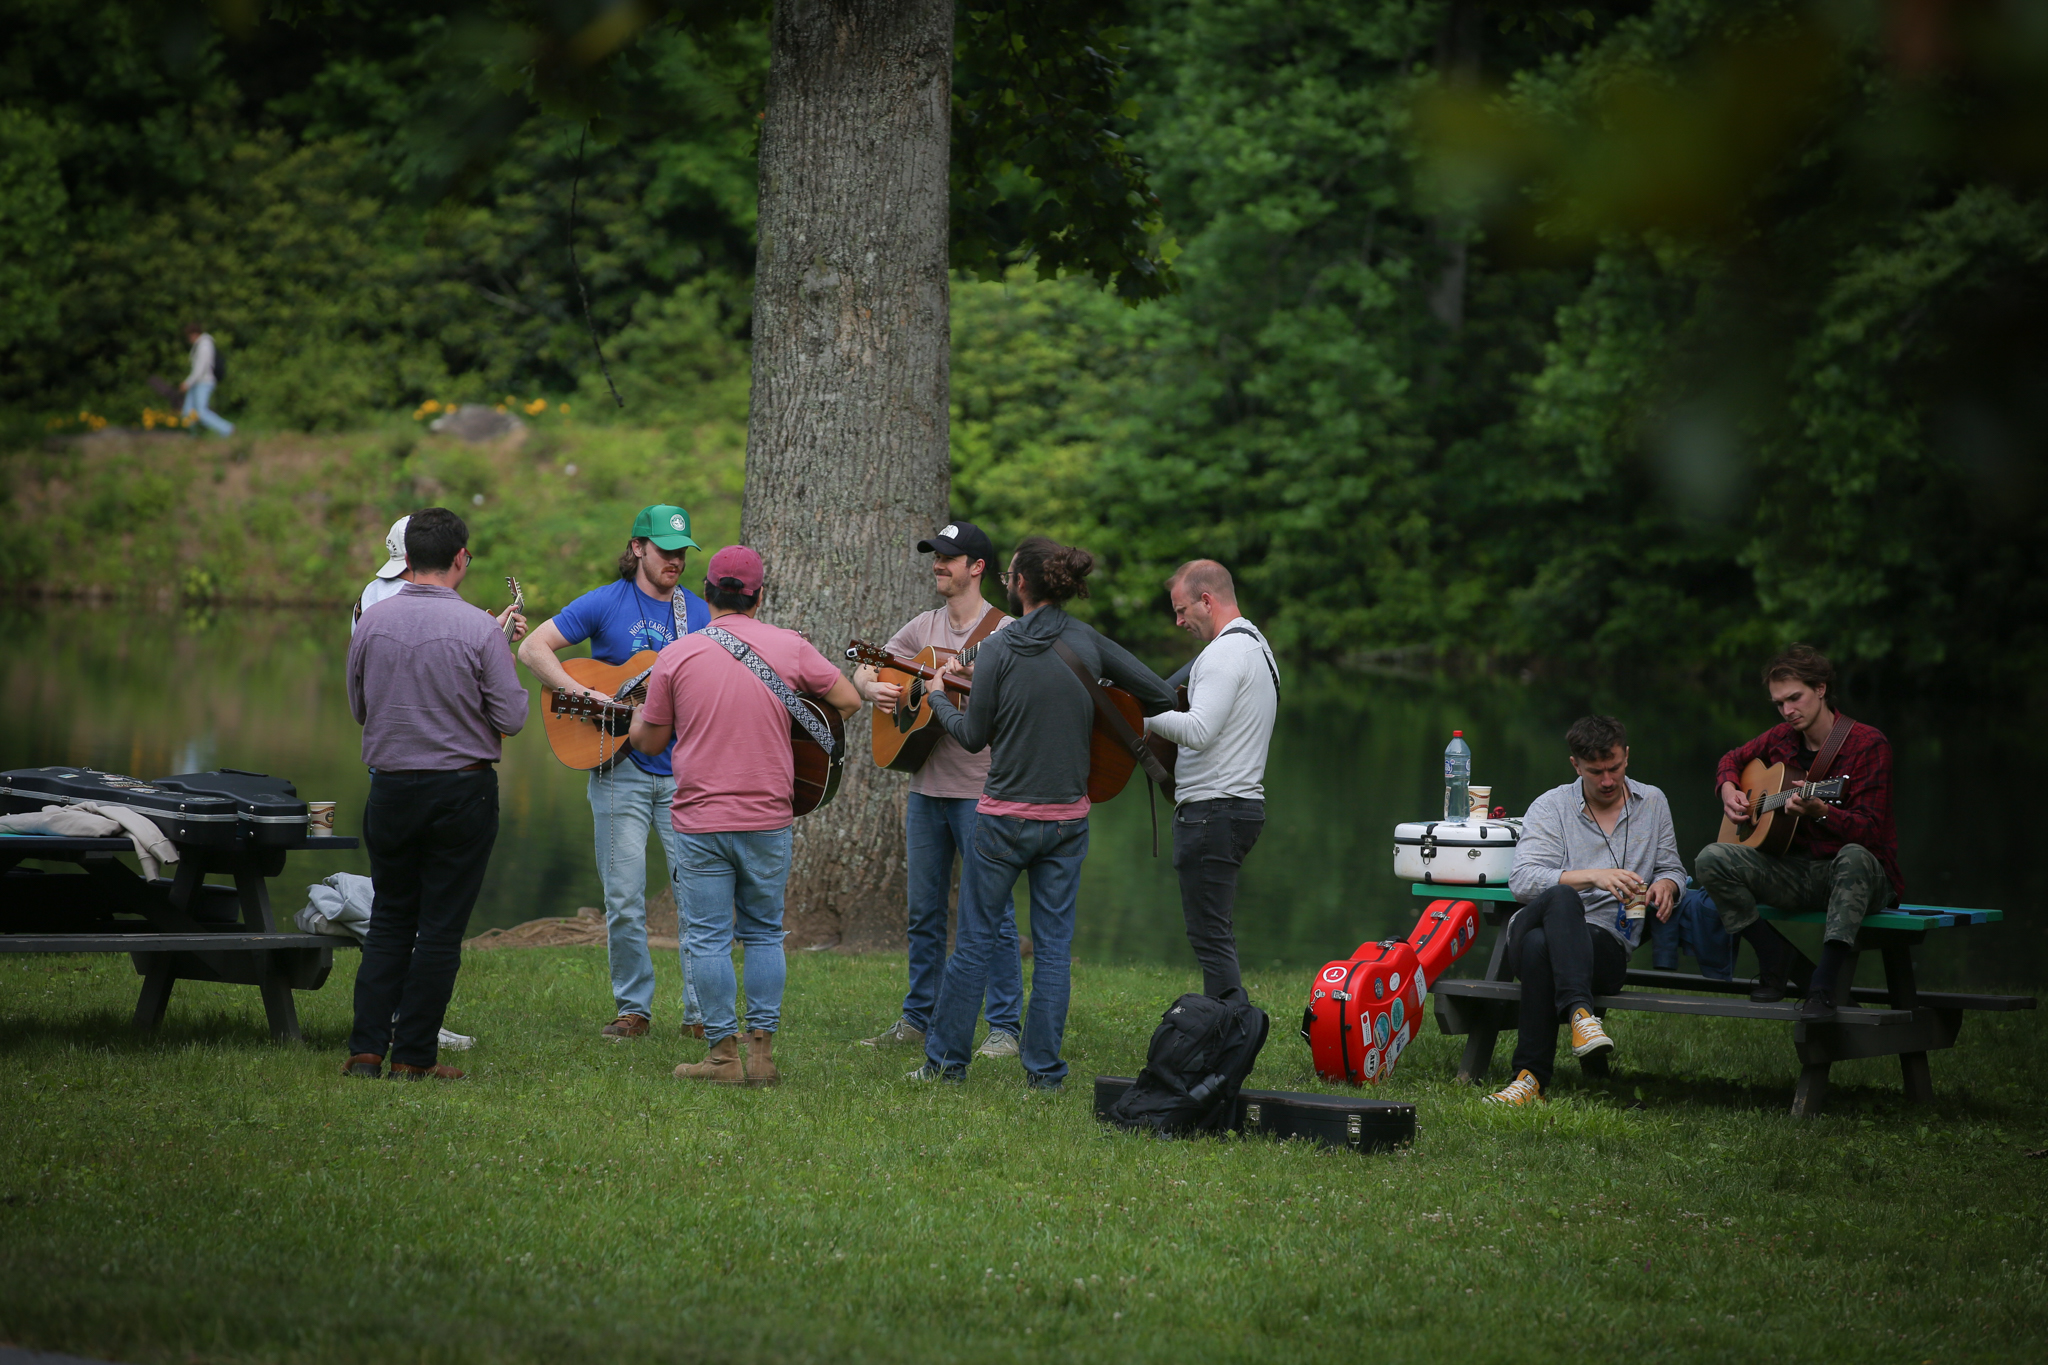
(1559, 835)
(202, 360)
(1233, 697)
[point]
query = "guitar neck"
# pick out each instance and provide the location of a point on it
(918, 670)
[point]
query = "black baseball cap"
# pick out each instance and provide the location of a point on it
(960, 538)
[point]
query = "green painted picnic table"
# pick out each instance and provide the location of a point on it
(1897, 1019)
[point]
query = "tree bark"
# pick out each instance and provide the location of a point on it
(848, 461)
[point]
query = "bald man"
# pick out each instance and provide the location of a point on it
(1219, 778)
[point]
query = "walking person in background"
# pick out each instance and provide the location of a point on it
(938, 820)
(734, 793)
(1032, 709)
(432, 683)
(642, 608)
(199, 384)
(1219, 778)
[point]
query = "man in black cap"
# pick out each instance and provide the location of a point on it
(939, 818)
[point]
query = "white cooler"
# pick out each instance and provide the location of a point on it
(1477, 853)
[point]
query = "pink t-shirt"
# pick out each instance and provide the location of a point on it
(734, 766)
(949, 770)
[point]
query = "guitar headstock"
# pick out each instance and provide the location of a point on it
(518, 593)
(861, 652)
(1830, 790)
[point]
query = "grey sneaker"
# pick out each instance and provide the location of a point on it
(931, 1072)
(896, 1034)
(999, 1043)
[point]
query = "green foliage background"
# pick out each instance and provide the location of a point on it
(1643, 335)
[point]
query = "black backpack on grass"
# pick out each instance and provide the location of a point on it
(1201, 1053)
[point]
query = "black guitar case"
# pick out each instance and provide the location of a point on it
(196, 819)
(267, 809)
(1332, 1120)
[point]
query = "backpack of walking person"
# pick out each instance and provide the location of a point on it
(1201, 1054)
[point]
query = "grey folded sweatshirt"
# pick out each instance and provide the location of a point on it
(1028, 705)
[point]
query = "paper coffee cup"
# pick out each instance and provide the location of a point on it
(1482, 801)
(320, 817)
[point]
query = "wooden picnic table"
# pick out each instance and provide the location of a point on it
(1898, 1019)
(181, 927)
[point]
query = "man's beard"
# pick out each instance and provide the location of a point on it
(1016, 602)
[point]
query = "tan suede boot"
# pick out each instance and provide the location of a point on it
(761, 1058)
(721, 1067)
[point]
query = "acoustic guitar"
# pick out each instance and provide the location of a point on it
(903, 739)
(1770, 787)
(590, 733)
(1110, 764)
(1164, 749)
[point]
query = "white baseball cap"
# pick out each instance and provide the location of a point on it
(394, 546)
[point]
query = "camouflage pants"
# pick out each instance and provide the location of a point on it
(1848, 886)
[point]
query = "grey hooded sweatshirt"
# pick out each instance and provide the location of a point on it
(1036, 712)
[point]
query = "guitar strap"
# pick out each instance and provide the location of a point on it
(1119, 728)
(755, 664)
(990, 619)
(1836, 738)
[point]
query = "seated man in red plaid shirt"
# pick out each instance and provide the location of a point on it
(1844, 858)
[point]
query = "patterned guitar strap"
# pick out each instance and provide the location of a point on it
(755, 664)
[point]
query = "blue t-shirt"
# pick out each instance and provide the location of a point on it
(619, 620)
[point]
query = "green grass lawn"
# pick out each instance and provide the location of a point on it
(208, 1196)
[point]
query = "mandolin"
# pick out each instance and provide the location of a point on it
(1110, 764)
(1770, 787)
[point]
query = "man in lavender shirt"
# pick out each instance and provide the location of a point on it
(431, 681)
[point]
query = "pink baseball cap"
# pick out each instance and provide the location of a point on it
(736, 562)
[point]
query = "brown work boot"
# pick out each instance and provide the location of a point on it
(721, 1067)
(366, 1066)
(761, 1058)
(626, 1026)
(403, 1071)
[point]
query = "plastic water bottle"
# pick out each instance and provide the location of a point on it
(1457, 779)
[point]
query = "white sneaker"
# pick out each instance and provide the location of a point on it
(999, 1043)
(456, 1042)
(898, 1034)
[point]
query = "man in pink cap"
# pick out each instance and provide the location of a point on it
(735, 780)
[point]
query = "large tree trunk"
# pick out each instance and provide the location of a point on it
(847, 450)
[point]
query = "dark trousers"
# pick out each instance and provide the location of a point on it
(1210, 841)
(1563, 962)
(429, 836)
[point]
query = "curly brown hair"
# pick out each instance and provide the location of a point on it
(1052, 572)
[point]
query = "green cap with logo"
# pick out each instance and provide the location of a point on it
(668, 527)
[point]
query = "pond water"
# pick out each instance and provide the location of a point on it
(151, 695)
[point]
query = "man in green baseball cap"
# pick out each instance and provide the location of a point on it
(668, 527)
(642, 609)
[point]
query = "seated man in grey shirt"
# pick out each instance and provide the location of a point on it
(431, 681)
(1595, 855)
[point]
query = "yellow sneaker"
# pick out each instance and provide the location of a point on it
(1587, 1033)
(1523, 1089)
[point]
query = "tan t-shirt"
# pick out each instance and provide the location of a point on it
(950, 771)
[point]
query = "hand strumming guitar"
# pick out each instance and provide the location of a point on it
(885, 695)
(1734, 803)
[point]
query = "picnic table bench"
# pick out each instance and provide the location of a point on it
(1896, 1019)
(174, 928)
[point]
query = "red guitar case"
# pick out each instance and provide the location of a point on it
(1364, 1010)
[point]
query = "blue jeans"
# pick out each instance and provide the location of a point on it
(719, 877)
(937, 828)
(1694, 927)
(623, 804)
(195, 406)
(1004, 847)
